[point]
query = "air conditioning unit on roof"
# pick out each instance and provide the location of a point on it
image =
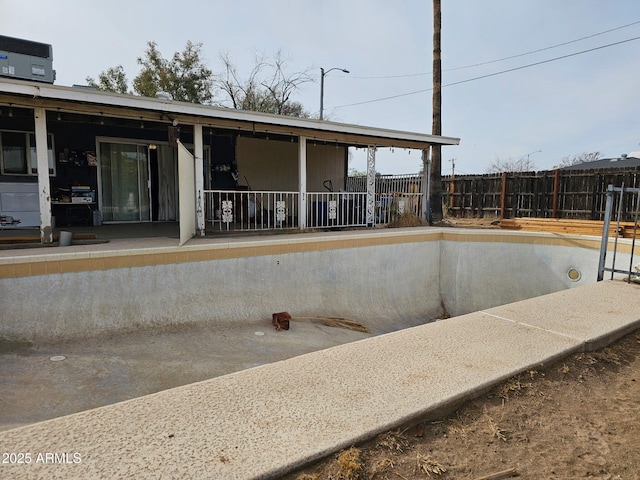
(26, 60)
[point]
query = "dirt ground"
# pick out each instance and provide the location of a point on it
(578, 418)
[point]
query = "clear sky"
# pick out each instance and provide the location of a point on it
(584, 102)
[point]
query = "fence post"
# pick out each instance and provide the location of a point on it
(605, 233)
(504, 194)
(452, 191)
(556, 189)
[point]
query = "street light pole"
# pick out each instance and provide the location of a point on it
(322, 74)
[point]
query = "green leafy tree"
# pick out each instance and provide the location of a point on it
(185, 77)
(268, 87)
(112, 80)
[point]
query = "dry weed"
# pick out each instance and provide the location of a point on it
(608, 355)
(586, 358)
(534, 373)
(383, 466)
(393, 441)
(407, 220)
(457, 428)
(512, 387)
(494, 430)
(427, 465)
(307, 476)
(350, 464)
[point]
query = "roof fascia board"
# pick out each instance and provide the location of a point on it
(205, 114)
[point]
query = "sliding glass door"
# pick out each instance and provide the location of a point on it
(124, 172)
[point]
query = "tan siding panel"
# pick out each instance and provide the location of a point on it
(273, 165)
(267, 165)
(325, 162)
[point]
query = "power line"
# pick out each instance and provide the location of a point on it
(504, 58)
(546, 48)
(492, 74)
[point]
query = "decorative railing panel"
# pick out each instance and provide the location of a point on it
(336, 209)
(230, 210)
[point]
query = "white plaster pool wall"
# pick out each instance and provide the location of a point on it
(386, 283)
(476, 274)
(388, 280)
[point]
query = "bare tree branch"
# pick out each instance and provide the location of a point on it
(523, 164)
(583, 157)
(268, 88)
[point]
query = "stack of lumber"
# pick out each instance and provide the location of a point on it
(567, 226)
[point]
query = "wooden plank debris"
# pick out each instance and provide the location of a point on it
(566, 226)
(499, 475)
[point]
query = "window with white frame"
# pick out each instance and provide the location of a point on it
(18, 153)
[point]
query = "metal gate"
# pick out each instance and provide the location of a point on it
(626, 203)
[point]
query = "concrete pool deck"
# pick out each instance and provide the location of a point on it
(266, 421)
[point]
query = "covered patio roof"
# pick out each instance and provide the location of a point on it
(94, 102)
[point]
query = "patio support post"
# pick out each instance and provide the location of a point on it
(199, 166)
(371, 185)
(44, 189)
(302, 182)
(426, 182)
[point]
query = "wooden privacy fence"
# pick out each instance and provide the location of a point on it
(578, 194)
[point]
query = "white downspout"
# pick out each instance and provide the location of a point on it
(199, 173)
(42, 156)
(302, 182)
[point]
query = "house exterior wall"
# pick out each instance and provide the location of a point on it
(273, 165)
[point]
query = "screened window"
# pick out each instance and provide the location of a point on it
(14, 153)
(18, 153)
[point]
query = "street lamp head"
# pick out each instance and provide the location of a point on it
(323, 72)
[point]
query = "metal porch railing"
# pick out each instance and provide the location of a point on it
(336, 209)
(236, 210)
(230, 210)
(395, 195)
